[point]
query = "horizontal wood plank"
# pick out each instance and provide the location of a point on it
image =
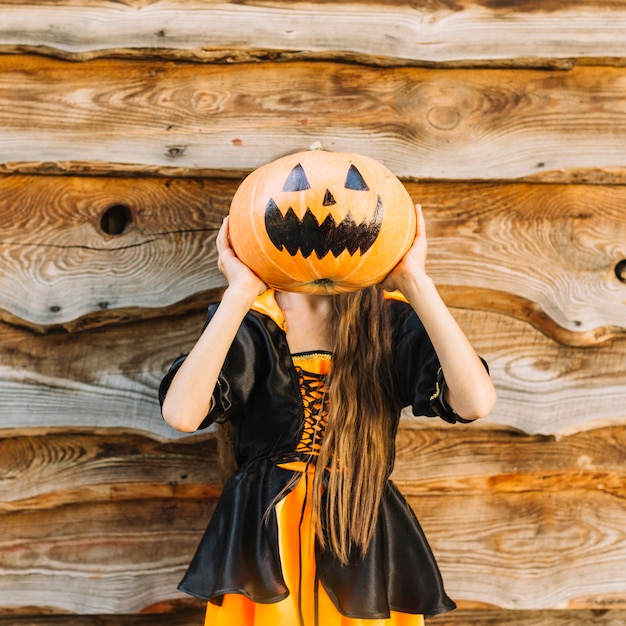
(554, 548)
(45, 471)
(468, 33)
(107, 377)
(119, 556)
(551, 255)
(547, 254)
(462, 617)
(184, 617)
(495, 617)
(73, 251)
(477, 459)
(521, 522)
(103, 378)
(516, 522)
(168, 616)
(107, 116)
(101, 523)
(545, 387)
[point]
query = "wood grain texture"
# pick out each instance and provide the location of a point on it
(103, 378)
(99, 557)
(60, 264)
(464, 33)
(495, 617)
(43, 471)
(119, 516)
(554, 548)
(543, 386)
(462, 617)
(107, 377)
(193, 616)
(100, 523)
(480, 458)
(547, 254)
(519, 522)
(188, 119)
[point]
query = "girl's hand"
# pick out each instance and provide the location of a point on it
(413, 263)
(238, 275)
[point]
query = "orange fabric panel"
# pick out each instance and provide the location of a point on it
(297, 553)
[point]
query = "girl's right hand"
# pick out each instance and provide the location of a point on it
(239, 276)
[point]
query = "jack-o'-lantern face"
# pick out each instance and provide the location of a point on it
(321, 222)
(331, 233)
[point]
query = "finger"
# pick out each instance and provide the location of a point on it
(421, 223)
(221, 241)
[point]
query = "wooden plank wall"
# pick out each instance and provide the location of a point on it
(125, 128)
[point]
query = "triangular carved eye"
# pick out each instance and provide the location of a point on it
(297, 180)
(355, 181)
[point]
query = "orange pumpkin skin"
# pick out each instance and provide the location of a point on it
(322, 222)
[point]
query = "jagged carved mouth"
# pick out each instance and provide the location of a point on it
(308, 236)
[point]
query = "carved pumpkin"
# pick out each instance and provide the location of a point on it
(322, 222)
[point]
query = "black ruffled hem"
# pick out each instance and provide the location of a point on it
(239, 554)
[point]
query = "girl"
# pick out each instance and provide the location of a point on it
(309, 530)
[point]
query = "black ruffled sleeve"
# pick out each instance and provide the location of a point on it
(419, 373)
(234, 381)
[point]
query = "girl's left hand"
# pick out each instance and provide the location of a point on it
(413, 263)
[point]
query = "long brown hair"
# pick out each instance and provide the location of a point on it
(358, 444)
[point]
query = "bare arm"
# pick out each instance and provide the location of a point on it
(469, 390)
(188, 399)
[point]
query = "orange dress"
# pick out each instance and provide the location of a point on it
(307, 604)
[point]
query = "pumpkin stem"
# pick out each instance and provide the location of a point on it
(316, 145)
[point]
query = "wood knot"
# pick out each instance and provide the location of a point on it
(116, 219)
(444, 117)
(175, 151)
(620, 270)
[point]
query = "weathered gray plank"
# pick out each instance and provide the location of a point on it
(543, 386)
(557, 547)
(547, 254)
(468, 32)
(60, 262)
(107, 377)
(102, 378)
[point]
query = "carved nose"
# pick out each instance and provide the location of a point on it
(328, 199)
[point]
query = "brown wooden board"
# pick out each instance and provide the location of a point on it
(103, 378)
(476, 617)
(107, 377)
(552, 255)
(469, 32)
(100, 522)
(543, 386)
(529, 540)
(105, 522)
(72, 246)
(495, 617)
(142, 116)
(518, 521)
(462, 617)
